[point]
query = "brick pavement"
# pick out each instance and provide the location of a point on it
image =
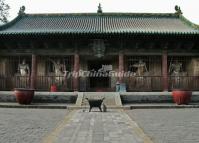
(28, 125)
(57, 126)
(97, 127)
(168, 125)
(61, 126)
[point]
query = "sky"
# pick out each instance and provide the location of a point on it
(190, 8)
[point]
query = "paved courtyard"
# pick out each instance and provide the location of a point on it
(169, 125)
(115, 126)
(62, 126)
(99, 127)
(27, 125)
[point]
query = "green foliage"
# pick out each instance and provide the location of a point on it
(4, 11)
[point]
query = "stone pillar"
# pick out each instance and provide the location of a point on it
(121, 67)
(76, 73)
(33, 72)
(164, 71)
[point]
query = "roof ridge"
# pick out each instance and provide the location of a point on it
(188, 22)
(19, 16)
(12, 22)
(104, 14)
(68, 23)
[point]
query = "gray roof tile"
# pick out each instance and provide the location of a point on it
(98, 23)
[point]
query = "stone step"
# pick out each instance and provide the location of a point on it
(111, 98)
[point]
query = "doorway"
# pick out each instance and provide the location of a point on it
(98, 82)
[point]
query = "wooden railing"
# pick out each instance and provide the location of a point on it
(184, 82)
(136, 83)
(43, 83)
(155, 83)
(62, 83)
(144, 83)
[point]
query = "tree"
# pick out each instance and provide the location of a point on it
(4, 8)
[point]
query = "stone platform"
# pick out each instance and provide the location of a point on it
(111, 98)
(152, 97)
(86, 108)
(43, 97)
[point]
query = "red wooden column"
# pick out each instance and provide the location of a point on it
(121, 67)
(164, 71)
(76, 74)
(33, 72)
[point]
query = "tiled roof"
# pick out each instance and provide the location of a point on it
(105, 23)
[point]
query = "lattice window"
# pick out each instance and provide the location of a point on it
(151, 64)
(65, 63)
(181, 63)
(12, 64)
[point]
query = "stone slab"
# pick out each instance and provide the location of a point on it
(168, 125)
(42, 97)
(71, 97)
(86, 108)
(111, 98)
(28, 125)
(114, 126)
(79, 99)
(152, 97)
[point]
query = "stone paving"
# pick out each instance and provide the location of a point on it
(63, 126)
(114, 126)
(168, 125)
(98, 127)
(28, 125)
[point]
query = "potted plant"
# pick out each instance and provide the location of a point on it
(181, 96)
(24, 95)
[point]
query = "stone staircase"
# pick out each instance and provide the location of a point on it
(111, 98)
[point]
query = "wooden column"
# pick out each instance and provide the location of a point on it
(121, 67)
(76, 73)
(164, 71)
(33, 72)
